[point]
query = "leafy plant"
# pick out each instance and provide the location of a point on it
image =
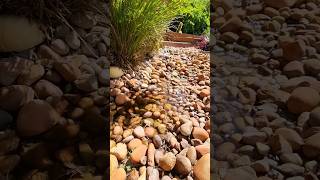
(138, 26)
(195, 16)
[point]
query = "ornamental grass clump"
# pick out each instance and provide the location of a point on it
(138, 26)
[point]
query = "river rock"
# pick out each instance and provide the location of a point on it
(303, 99)
(167, 162)
(201, 169)
(44, 118)
(15, 96)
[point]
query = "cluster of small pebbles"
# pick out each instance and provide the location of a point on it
(266, 107)
(160, 122)
(53, 113)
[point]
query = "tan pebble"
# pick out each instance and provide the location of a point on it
(120, 151)
(192, 155)
(151, 152)
(127, 133)
(158, 155)
(117, 130)
(112, 144)
(150, 132)
(183, 165)
(113, 162)
(168, 161)
(121, 99)
(138, 153)
(204, 93)
(143, 172)
(201, 169)
(203, 149)
(162, 128)
(186, 128)
(195, 122)
(156, 114)
(147, 114)
(133, 175)
(115, 91)
(134, 143)
(162, 116)
(139, 132)
(118, 174)
(167, 107)
(173, 142)
(200, 133)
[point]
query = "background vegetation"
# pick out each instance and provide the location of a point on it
(138, 26)
(195, 16)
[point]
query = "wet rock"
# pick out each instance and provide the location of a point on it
(314, 117)
(44, 118)
(60, 47)
(293, 69)
(263, 149)
(291, 169)
(73, 40)
(312, 146)
(234, 24)
(258, 58)
(279, 144)
(312, 66)
(291, 158)
(303, 99)
(8, 163)
(5, 119)
(224, 149)
(86, 153)
(31, 75)
(292, 50)
(68, 71)
(253, 137)
(280, 4)
(9, 143)
(87, 83)
(241, 173)
(44, 89)
(10, 69)
(261, 166)
(229, 37)
(85, 20)
(291, 136)
(15, 96)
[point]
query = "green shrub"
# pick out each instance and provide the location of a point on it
(195, 15)
(137, 26)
